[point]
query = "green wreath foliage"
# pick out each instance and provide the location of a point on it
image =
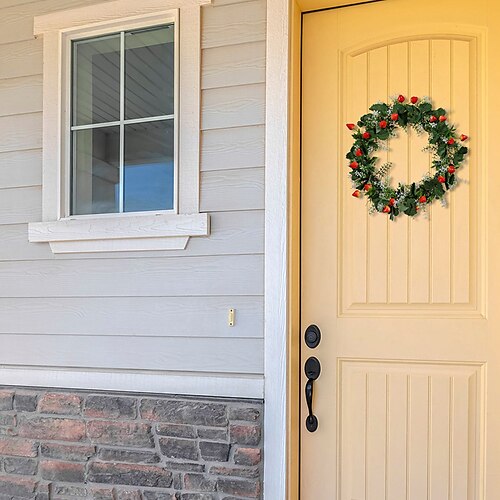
(377, 127)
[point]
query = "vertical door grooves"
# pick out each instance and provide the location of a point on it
(409, 277)
(429, 435)
(450, 437)
(387, 438)
(430, 275)
(367, 256)
(408, 428)
(387, 221)
(367, 417)
(450, 195)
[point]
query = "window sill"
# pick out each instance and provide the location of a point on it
(123, 233)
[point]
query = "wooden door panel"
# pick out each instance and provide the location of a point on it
(430, 265)
(410, 430)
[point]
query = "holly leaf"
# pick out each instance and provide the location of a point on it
(425, 107)
(383, 134)
(380, 107)
(463, 150)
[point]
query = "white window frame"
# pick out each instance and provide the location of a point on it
(137, 231)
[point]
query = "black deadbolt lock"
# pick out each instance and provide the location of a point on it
(312, 336)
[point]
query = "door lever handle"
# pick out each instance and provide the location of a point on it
(312, 370)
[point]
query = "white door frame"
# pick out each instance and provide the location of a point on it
(276, 251)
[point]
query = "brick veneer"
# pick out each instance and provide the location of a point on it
(79, 445)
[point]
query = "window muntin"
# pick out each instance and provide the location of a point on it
(123, 147)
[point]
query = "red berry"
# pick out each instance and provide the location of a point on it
(451, 169)
(354, 164)
(350, 126)
(366, 135)
(422, 199)
(386, 209)
(433, 119)
(394, 116)
(357, 193)
(414, 100)
(451, 141)
(442, 118)
(367, 187)
(383, 124)
(359, 152)
(441, 179)
(463, 137)
(392, 202)
(401, 98)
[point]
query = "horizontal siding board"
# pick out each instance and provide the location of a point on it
(135, 353)
(21, 95)
(232, 233)
(20, 132)
(232, 24)
(176, 276)
(20, 205)
(233, 106)
(241, 189)
(133, 316)
(17, 17)
(21, 59)
(21, 168)
(234, 65)
(232, 148)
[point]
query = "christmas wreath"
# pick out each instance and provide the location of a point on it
(382, 123)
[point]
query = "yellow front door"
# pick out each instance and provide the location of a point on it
(408, 400)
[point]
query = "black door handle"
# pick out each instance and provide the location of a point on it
(312, 369)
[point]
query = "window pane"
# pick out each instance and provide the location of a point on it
(149, 72)
(96, 80)
(149, 166)
(96, 171)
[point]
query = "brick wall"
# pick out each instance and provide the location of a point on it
(76, 445)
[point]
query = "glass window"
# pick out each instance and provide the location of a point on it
(122, 124)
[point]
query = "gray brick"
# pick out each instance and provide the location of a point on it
(184, 412)
(8, 419)
(70, 452)
(235, 487)
(128, 495)
(134, 456)
(214, 452)
(157, 495)
(198, 496)
(18, 465)
(185, 466)
(214, 434)
(129, 475)
(120, 433)
(100, 406)
(199, 482)
(245, 413)
(25, 401)
(241, 472)
(176, 430)
(179, 448)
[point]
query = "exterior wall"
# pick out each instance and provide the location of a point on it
(76, 445)
(164, 312)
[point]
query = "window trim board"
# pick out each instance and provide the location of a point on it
(57, 29)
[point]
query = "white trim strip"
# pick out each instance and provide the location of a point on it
(152, 382)
(68, 20)
(276, 251)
